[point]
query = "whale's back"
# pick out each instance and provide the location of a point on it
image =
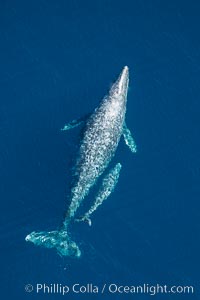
(99, 143)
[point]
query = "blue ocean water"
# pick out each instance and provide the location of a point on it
(57, 61)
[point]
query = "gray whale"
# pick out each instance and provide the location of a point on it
(103, 130)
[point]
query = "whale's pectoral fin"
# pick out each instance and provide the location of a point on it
(75, 123)
(129, 139)
(85, 218)
(108, 184)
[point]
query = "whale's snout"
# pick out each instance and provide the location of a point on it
(123, 80)
(120, 87)
(125, 72)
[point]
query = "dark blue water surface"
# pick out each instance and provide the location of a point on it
(57, 60)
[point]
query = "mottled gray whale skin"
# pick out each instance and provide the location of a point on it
(101, 137)
(103, 130)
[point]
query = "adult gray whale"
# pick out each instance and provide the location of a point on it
(103, 130)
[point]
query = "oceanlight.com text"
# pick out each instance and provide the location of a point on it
(107, 288)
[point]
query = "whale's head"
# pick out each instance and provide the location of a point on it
(118, 94)
(119, 88)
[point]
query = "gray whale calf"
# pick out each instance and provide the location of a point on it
(103, 130)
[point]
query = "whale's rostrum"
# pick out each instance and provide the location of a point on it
(102, 133)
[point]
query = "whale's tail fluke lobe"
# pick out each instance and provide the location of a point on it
(60, 240)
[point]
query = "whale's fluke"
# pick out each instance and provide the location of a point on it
(60, 240)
